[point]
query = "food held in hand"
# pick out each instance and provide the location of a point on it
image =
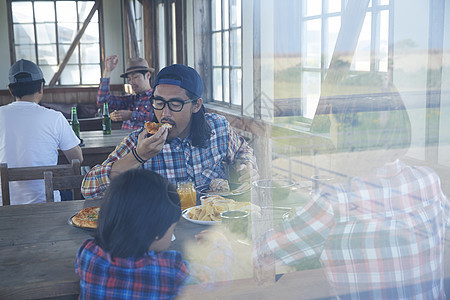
(87, 217)
(153, 127)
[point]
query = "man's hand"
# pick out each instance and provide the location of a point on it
(121, 115)
(247, 175)
(149, 147)
(110, 64)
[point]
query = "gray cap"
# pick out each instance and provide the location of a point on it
(25, 66)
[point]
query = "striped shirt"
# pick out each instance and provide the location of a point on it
(379, 237)
(139, 104)
(153, 276)
(179, 160)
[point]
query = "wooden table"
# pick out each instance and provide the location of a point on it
(38, 248)
(97, 146)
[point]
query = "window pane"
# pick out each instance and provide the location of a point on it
(23, 33)
(22, 12)
(226, 85)
(63, 48)
(225, 15)
(236, 81)
(70, 75)
(236, 48)
(66, 11)
(25, 52)
(217, 49)
(384, 40)
(235, 13)
(384, 2)
(334, 6)
(334, 24)
(91, 35)
(44, 11)
(139, 25)
(138, 10)
(226, 48)
(47, 55)
(67, 32)
(84, 7)
(313, 43)
(361, 59)
(216, 15)
(90, 53)
(313, 7)
(217, 84)
(311, 93)
(45, 33)
(48, 72)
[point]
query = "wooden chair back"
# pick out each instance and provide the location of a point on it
(70, 182)
(33, 173)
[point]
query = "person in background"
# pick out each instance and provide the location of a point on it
(379, 230)
(128, 257)
(30, 134)
(135, 109)
(197, 148)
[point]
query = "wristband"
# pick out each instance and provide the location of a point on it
(136, 156)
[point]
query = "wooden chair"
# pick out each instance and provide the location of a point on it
(33, 173)
(70, 182)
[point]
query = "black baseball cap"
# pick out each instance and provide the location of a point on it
(189, 79)
(27, 67)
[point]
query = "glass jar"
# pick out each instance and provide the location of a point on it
(188, 194)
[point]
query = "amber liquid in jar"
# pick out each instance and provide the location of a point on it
(187, 193)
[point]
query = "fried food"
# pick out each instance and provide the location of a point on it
(219, 185)
(214, 205)
(87, 217)
(153, 127)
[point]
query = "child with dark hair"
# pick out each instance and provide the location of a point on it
(128, 257)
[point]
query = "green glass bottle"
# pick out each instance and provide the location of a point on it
(106, 120)
(74, 122)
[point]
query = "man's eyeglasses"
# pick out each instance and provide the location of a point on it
(175, 105)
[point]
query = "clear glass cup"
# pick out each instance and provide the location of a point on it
(188, 194)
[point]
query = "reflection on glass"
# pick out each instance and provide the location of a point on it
(217, 49)
(313, 7)
(225, 14)
(311, 93)
(47, 55)
(44, 11)
(90, 74)
(226, 48)
(236, 83)
(334, 24)
(236, 49)
(334, 6)
(66, 11)
(235, 13)
(91, 35)
(90, 53)
(22, 12)
(226, 85)
(46, 33)
(48, 72)
(67, 32)
(313, 43)
(361, 59)
(217, 84)
(26, 52)
(384, 41)
(216, 15)
(23, 33)
(70, 75)
(63, 48)
(84, 8)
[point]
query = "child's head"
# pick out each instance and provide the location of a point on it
(138, 209)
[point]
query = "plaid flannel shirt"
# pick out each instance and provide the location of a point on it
(139, 104)
(179, 160)
(153, 276)
(377, 238)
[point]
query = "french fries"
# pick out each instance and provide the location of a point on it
(214, 205)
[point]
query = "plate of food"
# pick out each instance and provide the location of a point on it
(209, 212)
(86, 218)
(221, 187)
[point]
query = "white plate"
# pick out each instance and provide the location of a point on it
(186, 216)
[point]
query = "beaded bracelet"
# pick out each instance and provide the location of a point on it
(138, 158)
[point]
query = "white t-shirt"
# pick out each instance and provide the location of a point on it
(30, 135)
